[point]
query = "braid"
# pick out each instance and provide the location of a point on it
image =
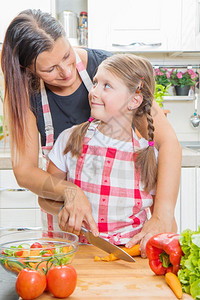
(150, 126)
(145, 160)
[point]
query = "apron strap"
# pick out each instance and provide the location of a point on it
(49, 130)
(83, 73)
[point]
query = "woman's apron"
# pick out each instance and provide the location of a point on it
(49, 221)
(108, 177)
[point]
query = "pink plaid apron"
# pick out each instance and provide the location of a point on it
(108, 177)
(49, 221)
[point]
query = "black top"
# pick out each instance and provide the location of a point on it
(67, 111)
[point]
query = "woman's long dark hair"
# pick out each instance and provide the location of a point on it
(28, 35)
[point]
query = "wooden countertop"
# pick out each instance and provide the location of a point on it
(115, 280)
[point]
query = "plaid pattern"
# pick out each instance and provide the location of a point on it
(109, 179)
(49, 221)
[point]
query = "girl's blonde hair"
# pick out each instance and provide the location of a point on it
(130, 69)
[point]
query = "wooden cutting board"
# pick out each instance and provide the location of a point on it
(117, 280)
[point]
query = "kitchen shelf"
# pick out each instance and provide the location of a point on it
(178, 98)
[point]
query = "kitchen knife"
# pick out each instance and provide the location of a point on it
(106, 246)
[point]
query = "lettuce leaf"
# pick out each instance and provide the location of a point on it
(189, 273)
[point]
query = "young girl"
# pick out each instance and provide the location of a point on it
(104, 157)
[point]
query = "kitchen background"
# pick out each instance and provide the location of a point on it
(170, 30)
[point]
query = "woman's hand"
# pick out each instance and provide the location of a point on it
(76, 211)
(153, 226)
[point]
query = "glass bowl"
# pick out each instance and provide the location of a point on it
(36, 249)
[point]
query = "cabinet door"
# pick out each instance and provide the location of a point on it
(20, 218)
(190, 25)
(10, 9)
(178, 212)
(18, 207)
(131, 21)
(188, 204)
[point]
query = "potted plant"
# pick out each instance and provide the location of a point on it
(182, 81)
(162, 84)
(162, 76)
(160, 92)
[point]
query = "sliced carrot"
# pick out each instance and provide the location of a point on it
(25, 253)
(105, 258)
(97, 258)
(34, 252)
(112, 257)
(133, 251)
(65, 249)
(174, 283)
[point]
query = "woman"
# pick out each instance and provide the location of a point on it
(44, 93)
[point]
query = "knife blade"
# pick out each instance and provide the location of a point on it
(106, 246)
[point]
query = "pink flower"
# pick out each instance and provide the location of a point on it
(193, 76)
(179, 75)
(160, 73)
(168, 74)
(191, 72)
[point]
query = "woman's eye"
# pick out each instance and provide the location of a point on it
(49, 71)
(66, 56)
(94, 83)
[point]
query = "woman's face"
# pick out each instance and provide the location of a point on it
(57, 67)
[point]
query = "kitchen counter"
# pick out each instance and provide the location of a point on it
(110, 280)
(104, 280)
(190, 158)
(5, 160)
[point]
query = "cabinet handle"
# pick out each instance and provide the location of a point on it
(19, 228)
(138, 44)
(12, 190)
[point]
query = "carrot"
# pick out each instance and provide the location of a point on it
(105, 258)
(97, 258)
(174, 283)
(133, 251)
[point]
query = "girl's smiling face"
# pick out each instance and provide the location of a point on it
(109, 96)
(57, 67)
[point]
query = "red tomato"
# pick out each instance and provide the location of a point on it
(61, 281)
(36, 245)
(30, 284)
(46, 254)
(19, 253)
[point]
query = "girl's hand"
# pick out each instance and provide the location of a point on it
(76, 211)
(151, 227)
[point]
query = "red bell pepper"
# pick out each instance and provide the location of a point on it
(164, 253)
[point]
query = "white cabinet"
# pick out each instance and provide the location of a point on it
(187, 210)
(174, 24)
(190, 25)
(132, 21)
(10, 8)
(18, 208)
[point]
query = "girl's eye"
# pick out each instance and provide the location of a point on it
(94, 83)
(107, 86)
